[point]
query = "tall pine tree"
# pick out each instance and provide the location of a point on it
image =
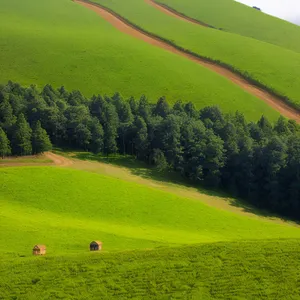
(4, 144)
(40, 139)
(21, 137)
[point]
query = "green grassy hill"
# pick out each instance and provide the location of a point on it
(60, 42)
(66, 209)
(240, 19)
(161, 240)
(273, 66)
(157, 245)
(239, 270)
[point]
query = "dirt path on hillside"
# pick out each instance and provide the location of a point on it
(121, 25)
(174, 13)
(59, 160)
(55, 159)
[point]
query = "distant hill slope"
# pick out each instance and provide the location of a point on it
(238, 18)
(272, 66)
(66, 209)
(238, 270)
(61, 43)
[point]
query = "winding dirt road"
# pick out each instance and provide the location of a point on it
(119, 23)
(175, 14)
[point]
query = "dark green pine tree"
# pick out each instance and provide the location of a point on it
(7, 119)
(110, 129)
(162, 107)
(159, 160)
(141, 139)
(21, 137)
(83, 136)
(4, 144)
(40, 139)
(96, 144)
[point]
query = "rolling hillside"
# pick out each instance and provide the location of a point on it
(235, 255)
(83, 206)
(240, 19)
(60, 42)
(272, 66)
(151, 177)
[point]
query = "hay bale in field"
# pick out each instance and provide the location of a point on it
(95, 246)
(39, 250)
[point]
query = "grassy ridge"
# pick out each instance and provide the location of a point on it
(61, 43)
(270, 65)
(240, 19)
(239, 270)
(66, 209)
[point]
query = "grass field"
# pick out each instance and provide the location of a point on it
(66, 209)
(61, 43)
(238, 270)
(273, 66)
(240, 19)
(157, 244)
(162, 238)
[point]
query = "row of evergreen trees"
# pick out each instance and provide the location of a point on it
(259, 162)
(24, 140)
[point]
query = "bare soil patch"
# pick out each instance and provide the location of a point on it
(173, 13)
(59, 160)
(121, 25)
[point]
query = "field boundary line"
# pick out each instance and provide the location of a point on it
(248, 84)
(175, 12)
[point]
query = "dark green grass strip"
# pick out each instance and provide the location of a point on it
(239, 270)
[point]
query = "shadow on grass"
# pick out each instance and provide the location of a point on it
(141, 169)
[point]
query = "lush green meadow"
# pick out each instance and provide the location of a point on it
(66, 209)
(62, 43)
(240, 19)
(156, 245)
(163, 237)
(238, 270)
(273, 66)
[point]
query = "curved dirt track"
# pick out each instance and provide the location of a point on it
(175, 14)
(58, 160)
(121, 25)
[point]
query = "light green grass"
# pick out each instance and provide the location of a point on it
(25, 160)
(66, 209)
(240, 19)
(275, 67)
(148, 236)
(238, 270)
(62, 43)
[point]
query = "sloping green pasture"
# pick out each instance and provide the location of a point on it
(240, 19)
(238, 270)
(66, 209)
(275, 67)
(62, 43)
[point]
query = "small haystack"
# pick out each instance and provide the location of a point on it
(39, 250)
(95, 246)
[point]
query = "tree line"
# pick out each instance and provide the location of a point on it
(256, 161)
